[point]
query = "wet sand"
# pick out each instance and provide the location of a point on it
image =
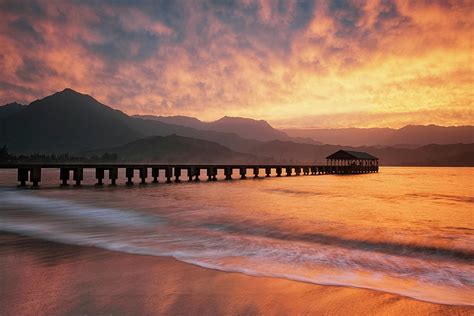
(39, 277)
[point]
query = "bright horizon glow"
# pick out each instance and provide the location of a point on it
(302, 65)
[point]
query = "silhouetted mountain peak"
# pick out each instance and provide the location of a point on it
(66, 120)
(71, 102)
(69, 90)
(241, 120)
(70, 93)
(13, 104)
(248, 128)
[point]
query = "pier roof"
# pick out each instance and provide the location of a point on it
(349, 154)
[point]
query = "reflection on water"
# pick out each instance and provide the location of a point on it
(405, 230)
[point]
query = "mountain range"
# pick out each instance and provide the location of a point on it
(174, 149)
(244, 127)
(69, 121)
(409, 136)
(428, 155)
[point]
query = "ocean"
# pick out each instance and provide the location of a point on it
(408, 231)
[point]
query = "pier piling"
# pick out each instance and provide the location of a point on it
(78, 175)
(297, 171)
(35, 176)
(256, 171)
(190, 174)
(64, 176)
(228, 173)
(209, 174)
(268, 171)
(278, 171)
(129, 175)
(143, 174)
(168, 174)
(99, 175)
(177, 174)
(155, 173)
(305, 171)
(113, 176)
(22, 176)
(243, 172)
(197, 173)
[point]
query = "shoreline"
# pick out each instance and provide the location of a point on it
(45, 277)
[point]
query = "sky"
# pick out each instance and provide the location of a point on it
(293, 63)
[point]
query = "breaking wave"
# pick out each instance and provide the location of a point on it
(424, 272)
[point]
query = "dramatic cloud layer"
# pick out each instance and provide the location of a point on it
(294, 63)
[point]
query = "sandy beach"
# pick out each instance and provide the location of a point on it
(44, 278)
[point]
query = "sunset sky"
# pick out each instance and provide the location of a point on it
(293, 63)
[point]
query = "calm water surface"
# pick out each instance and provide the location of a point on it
(408, 231)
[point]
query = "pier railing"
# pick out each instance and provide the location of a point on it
(172, 172)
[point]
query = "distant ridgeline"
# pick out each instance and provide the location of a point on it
(70, 126)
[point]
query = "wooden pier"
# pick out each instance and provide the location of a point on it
(31, 173)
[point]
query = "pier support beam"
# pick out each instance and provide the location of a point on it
(143, 174)
(288, 171)
(168, 174)
(35, 176)
(243, 172)
(256, 172)
(278, 171)
(99, 175)
(297, 171)
(228, 173)
(64, 176)
(113, 176)
(177, 174)
(196, 173)
(268, 171)
(129, 175)
(22, 176)
(211, 174)
(190, 174)
(155, 173)
(78, 175)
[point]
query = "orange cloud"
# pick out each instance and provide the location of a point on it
(360, 63)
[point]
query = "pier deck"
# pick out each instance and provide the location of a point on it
(173, 172)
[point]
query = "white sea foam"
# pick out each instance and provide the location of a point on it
(106, 216)
(235, 250)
